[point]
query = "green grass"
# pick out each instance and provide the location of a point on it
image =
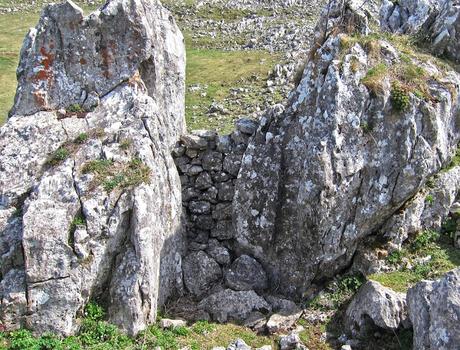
(444, 257)
(219, 71)
(97, 334)
(111, 175)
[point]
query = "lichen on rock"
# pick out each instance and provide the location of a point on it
(90, 201)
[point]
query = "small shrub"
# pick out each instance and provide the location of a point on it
(429, 199)
(75, 108)
(181, 331)
(449, 226)
(165, 339)
(399, 97)
(111, 183)
(424, 239)
(394, 258)
(61, 154)
(82, 138)
(23, 339)
(94, 312)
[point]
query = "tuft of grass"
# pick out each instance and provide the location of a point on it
(59, 156)
(336, 294)
(113, 175)
(75, 108)
(82, 138)
(374, 77)
(443, 257)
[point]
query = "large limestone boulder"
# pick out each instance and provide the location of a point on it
(434, 309)
(90, 201)
(375, 306)
(345, 154)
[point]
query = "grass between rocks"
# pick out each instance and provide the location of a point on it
(214, 76)
(428, 256)
(408, 76)
(96, 334)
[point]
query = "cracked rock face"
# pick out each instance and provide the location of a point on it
(434, 309)
(434, 21)
(339, 161)
(90, 202)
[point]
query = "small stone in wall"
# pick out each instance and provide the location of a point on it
(224, 230)
(246, 126)
(212, 161)
(246, 274)
(200, 273)
(199, 207)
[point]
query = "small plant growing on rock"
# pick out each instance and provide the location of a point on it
(429, 199)
(399, 97)
(75, 108)
(82, 138)
(113, 175)
(61, 154)
(374, 77)
(126, 144)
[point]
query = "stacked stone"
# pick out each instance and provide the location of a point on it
(208, 165)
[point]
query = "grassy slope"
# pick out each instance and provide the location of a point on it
(13, 28)
(217, 72)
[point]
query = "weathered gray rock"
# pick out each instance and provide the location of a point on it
(290, 342)
(434, 309)
(315, 181)
(281, 322)
(231, 305)
(246, 274)
(420, 214)
(435, 21)
(376, 306)
(85, 235)
(238, 344)
(167, 323)
(200, 273)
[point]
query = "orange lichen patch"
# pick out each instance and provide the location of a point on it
(82, 61)
(106, 61)
(40, 98)
(45, 73)
(47, 60)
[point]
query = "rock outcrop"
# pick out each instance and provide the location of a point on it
(90, 203)
(345, 154)
(373, 307)
(434, 309)
(436, 22)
